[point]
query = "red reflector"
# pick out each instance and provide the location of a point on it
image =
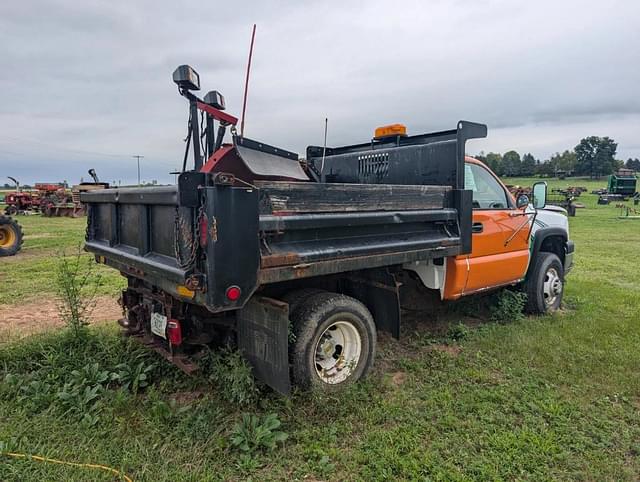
(233, 293)
(203, 231)
(174, 332)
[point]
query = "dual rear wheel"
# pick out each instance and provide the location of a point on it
(334, 339)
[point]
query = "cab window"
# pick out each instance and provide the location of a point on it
(487, 191)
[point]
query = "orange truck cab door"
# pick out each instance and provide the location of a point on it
(500, 238)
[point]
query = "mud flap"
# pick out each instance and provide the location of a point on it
(379, 291)
(263, 338)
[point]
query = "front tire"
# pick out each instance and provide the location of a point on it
(10, 236)
(335, 342)
(545, 284)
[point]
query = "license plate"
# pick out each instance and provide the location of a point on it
(159, 325)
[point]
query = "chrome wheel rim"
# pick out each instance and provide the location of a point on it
(337, 352)
(552, 287)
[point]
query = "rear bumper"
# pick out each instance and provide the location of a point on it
(568, 256)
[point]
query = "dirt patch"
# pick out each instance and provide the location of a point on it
(398, 378)
(29, 254)
(35, 316)
(186, 398)
(42, 235)
(453, 350)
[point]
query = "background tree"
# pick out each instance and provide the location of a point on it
(494, 161)
(511, 163)
(481, 157)
(546, 169)
(529, 163)
(633, 164)
(595, 156)
(564, 162)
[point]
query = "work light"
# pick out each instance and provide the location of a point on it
(215, 99)
(186, 78)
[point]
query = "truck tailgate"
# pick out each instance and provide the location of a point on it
(133, 228)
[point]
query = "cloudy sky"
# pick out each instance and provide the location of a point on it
(88, 83)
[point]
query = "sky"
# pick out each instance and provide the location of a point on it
(88, 84)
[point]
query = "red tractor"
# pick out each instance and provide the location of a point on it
(59, 201)
(20, 201)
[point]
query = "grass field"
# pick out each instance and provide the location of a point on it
(551, 398)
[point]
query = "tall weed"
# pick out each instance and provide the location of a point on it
(76, 284)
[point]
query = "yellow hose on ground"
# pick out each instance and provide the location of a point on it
(63, 462)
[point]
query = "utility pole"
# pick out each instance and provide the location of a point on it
(138, 158)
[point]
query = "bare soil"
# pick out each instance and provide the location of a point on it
(398, 378)
(453, 350)
(28, 255)
(42, 314)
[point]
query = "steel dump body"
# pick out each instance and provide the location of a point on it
(384, 203)
(215, 255)
(275, 232)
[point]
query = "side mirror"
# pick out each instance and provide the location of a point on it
(539, 195)
(522, 201)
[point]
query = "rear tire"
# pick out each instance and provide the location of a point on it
(296, 298)
(545, 284)
(10, 236)
(335, 342)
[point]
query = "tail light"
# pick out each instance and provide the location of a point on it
(174, 332)
(233, 293)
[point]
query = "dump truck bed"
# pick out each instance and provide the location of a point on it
(267, 233)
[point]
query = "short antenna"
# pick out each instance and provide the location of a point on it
(246, 81)
(324, 146)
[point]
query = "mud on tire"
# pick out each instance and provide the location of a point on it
(335, 342)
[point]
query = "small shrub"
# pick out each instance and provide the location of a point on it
(247, 463)
(458, 332)
(81, 402)
(81, 397)
(132, 377)
(76, 285)
(167, 413)
(90, 374)
(253, 433)
(324, 466)
(10, 386)
(232, 373)
(35, 395)
(507, 306)
(203, 422)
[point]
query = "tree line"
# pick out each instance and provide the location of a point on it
(594, 157)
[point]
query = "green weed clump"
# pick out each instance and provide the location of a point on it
(254, 433)
(231, 372)
(77, 284)
(71, 377)
(458, 332)
(507, 306)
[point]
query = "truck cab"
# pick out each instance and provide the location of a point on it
(507, 237)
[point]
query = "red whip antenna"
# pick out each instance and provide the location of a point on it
(246, 81)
